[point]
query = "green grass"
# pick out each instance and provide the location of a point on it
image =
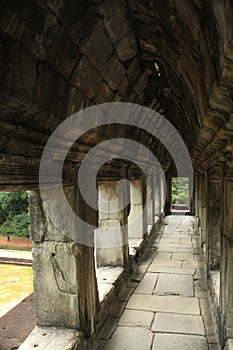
(13, 247)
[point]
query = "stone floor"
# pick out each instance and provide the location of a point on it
(165, 305)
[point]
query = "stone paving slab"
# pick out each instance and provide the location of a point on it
(163, 255)
(174, 284)
(179, 342)
(161, 269)
(173, 323)
(182, 256)
(157, 303)
(166, 263)
(136, 318)
(147, 284)
(128, 338)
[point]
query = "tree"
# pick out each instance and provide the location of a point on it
(14, 213)
(180, 191)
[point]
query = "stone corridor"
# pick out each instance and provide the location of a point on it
(169, 308)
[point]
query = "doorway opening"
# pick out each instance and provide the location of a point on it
(180, 194)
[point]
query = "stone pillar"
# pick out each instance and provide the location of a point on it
(137, 220)
(65, 286)
(150, 202)
(203, 203)
(226, 271)
(192, 195)
(214, 218)
(168, 202)
(158, 194)
(113, 212)
(162, 193)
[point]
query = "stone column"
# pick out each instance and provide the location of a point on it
(65, 286)
(226, 271)
(214, 218)
(137, 220)
(168, 202)
(150, 202)
(162, 193)
(203, 203)
(158, 194)
(113, 212)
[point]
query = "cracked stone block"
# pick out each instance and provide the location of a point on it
(147, 284)
(179, 342)
(129, 338)
(172, 284)
(136, 318)
(157, 303)
(55, 285)
(174, 323)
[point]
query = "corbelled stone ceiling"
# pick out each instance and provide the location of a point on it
(58, 57)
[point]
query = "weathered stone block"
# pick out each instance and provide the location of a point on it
(86, 78)
(174, 323)
(172, 284)
(115, 19)
(173, 304)
(147, 284)
(141, 83)
(130, 338)
(55, 285)
(179, 342)
(127, 47)
(50, 338)
(136, 318)
(91, 48)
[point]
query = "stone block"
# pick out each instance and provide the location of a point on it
(161, 269)
(50, 338)
(133, 70)
(182, 256)
(127, 47)
(173, 304)
(115, 19)
(166, 263)
(129, 338)
(141, 83)
(229, 344)
(136, 318)
(147, 284)
(173, 284)
(109, 256)
(174, 323)
(97, 40)
(179, 342)
(104, 94)
(164, 255)
(55, 285)
(86, 78)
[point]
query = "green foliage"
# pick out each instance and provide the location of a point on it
(14, 213)
(21, 224)
(180, 191)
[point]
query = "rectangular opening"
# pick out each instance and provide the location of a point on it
(180, 193)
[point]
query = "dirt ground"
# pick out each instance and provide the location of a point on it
(15, 243)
